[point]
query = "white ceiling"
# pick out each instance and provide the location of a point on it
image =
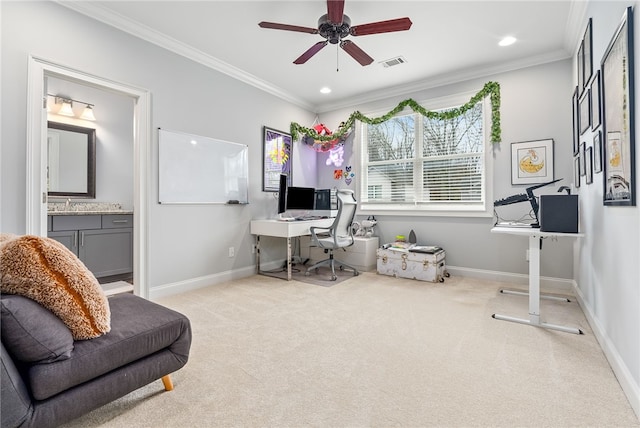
(449, 41)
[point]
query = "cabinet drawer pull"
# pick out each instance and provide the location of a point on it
(82, 239)
(120, 221)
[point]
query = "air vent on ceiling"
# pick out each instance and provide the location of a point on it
(394, 61)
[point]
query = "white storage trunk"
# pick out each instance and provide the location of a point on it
(413, 265)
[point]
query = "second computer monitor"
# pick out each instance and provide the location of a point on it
(301, 198)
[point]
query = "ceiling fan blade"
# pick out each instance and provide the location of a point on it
(310, 52)
(389, 26)
(335, 10)
(358, 54)
(287, 27)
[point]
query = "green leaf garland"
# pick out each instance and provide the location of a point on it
(490, 89)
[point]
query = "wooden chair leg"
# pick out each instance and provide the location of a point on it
(168, 384)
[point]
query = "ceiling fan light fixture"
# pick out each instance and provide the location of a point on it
(335, 26)
(325, 90)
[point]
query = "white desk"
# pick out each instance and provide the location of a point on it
(284, 229)
(535, 242)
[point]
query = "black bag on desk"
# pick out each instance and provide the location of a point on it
(559, 213)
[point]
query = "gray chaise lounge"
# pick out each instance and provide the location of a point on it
(147, 342)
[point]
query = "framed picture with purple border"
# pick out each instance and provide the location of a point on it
(276, 158)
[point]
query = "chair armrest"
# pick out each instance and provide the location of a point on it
(314, 234)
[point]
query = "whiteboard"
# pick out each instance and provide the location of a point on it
(201, 170)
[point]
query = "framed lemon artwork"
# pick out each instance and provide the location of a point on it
(532, 162)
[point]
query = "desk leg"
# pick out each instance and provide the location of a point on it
(258, 254)
(534, 293)
(288, 259)
(542, 296)
(534, 279)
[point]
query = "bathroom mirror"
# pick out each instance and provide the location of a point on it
(71, 161)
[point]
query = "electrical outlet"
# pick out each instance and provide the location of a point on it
(232, 252)
(253, 248)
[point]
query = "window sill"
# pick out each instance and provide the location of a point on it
(418, 210)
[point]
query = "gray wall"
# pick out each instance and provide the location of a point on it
(114, 138)
(185, 242)
(608, 258)
(535, 105)
(188, 242)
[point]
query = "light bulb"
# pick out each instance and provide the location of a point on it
(66, 109)
(87, 114)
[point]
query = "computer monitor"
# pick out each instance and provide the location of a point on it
(301, 198)
(282, 194)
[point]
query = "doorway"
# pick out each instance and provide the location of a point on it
(36, 209)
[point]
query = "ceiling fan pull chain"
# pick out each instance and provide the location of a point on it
(337, 59)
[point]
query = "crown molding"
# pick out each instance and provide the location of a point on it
(121, 22)
(575, 24)
(445, 79)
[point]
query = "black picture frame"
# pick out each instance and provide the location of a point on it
(532, 162)
(277, 148)
(582, 157)
(589, 165)
(587, 54)
(594, 90)
(597, 152)
(576, 171)
(576, 122)
(618, 116)
(585, 112)
(580, 62)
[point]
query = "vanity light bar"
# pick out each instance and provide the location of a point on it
(67, 107)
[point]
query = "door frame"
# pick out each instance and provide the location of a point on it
(36, 198)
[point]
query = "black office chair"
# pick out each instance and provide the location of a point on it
(340, 234)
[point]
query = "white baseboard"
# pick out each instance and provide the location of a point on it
(625, 379)
(200, 282)
(547, 284)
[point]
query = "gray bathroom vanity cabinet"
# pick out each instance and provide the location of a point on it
(104, 242)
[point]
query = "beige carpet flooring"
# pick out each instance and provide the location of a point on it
(375, 351)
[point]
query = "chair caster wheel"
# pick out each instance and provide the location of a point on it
(334, 278)
(441, 279)
(447, 274)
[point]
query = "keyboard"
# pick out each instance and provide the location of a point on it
(307, 218)
(521, 197)
(514, 224)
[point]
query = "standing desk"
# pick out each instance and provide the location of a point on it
(535, 242)
(284, 229)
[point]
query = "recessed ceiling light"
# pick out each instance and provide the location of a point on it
(325, 90)
(509, 40)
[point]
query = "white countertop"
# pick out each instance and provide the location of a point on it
(96, 212)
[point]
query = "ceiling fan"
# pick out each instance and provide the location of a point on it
(335, 26)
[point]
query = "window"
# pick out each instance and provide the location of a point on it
(421, 164)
